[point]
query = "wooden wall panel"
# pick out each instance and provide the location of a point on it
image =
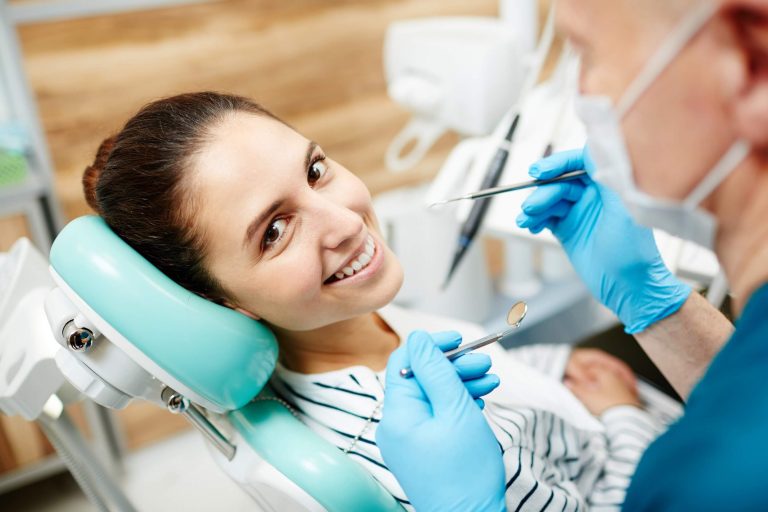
(316, 64)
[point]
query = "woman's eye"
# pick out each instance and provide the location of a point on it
(316, 171)
(274, 232)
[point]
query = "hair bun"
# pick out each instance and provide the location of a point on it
(93, 172)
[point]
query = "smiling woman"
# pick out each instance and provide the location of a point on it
(238, 207)
(278, 219)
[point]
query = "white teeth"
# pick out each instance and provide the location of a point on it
(360, 262)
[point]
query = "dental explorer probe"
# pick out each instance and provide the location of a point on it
(516, 314)
(488, 192)
(471, 226)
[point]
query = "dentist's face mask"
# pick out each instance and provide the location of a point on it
(608, 150)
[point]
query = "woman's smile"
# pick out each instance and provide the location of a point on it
(361, 267)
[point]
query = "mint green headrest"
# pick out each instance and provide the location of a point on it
(221, 355)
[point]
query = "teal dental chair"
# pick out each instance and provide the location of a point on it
(131, 332)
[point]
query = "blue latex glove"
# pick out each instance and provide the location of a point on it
(434, 438)
(472, 368)
(616, 258)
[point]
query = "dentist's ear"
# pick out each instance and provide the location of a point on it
(748, 80)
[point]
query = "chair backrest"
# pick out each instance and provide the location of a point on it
(213, 355)
(321, 470)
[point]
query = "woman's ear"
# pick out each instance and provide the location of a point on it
(240, 310)
(749, 83)
(247, 313)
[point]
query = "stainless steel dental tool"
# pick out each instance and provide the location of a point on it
(488, 192)
(515, 315)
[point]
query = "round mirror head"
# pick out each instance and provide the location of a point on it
(516, 313)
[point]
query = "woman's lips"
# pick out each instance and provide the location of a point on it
(372, 253)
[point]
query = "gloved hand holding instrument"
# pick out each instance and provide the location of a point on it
(616, 258)
(459, 464)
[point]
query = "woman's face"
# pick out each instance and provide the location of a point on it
(282, 222)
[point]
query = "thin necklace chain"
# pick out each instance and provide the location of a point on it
(368, 421)
(365, 427)
(280, 401)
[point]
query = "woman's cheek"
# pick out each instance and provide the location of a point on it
(303, 277)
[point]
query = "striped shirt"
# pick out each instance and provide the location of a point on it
(550, 463)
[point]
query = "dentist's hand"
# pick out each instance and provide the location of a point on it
(471, 368)
(434, 438)
(616, 258)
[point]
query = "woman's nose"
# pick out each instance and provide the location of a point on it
(337, 224)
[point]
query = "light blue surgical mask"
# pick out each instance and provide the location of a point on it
(683, 218)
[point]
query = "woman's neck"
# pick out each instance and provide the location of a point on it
(365, 340)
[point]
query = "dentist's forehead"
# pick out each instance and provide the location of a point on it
(595, 20)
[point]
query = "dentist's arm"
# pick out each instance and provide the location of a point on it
(433, 436)
(683, 344)
(621, 265)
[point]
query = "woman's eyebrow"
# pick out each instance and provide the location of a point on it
(260, 219)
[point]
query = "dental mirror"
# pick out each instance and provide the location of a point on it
(517, 313)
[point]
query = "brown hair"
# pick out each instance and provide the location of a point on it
(136, 182)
